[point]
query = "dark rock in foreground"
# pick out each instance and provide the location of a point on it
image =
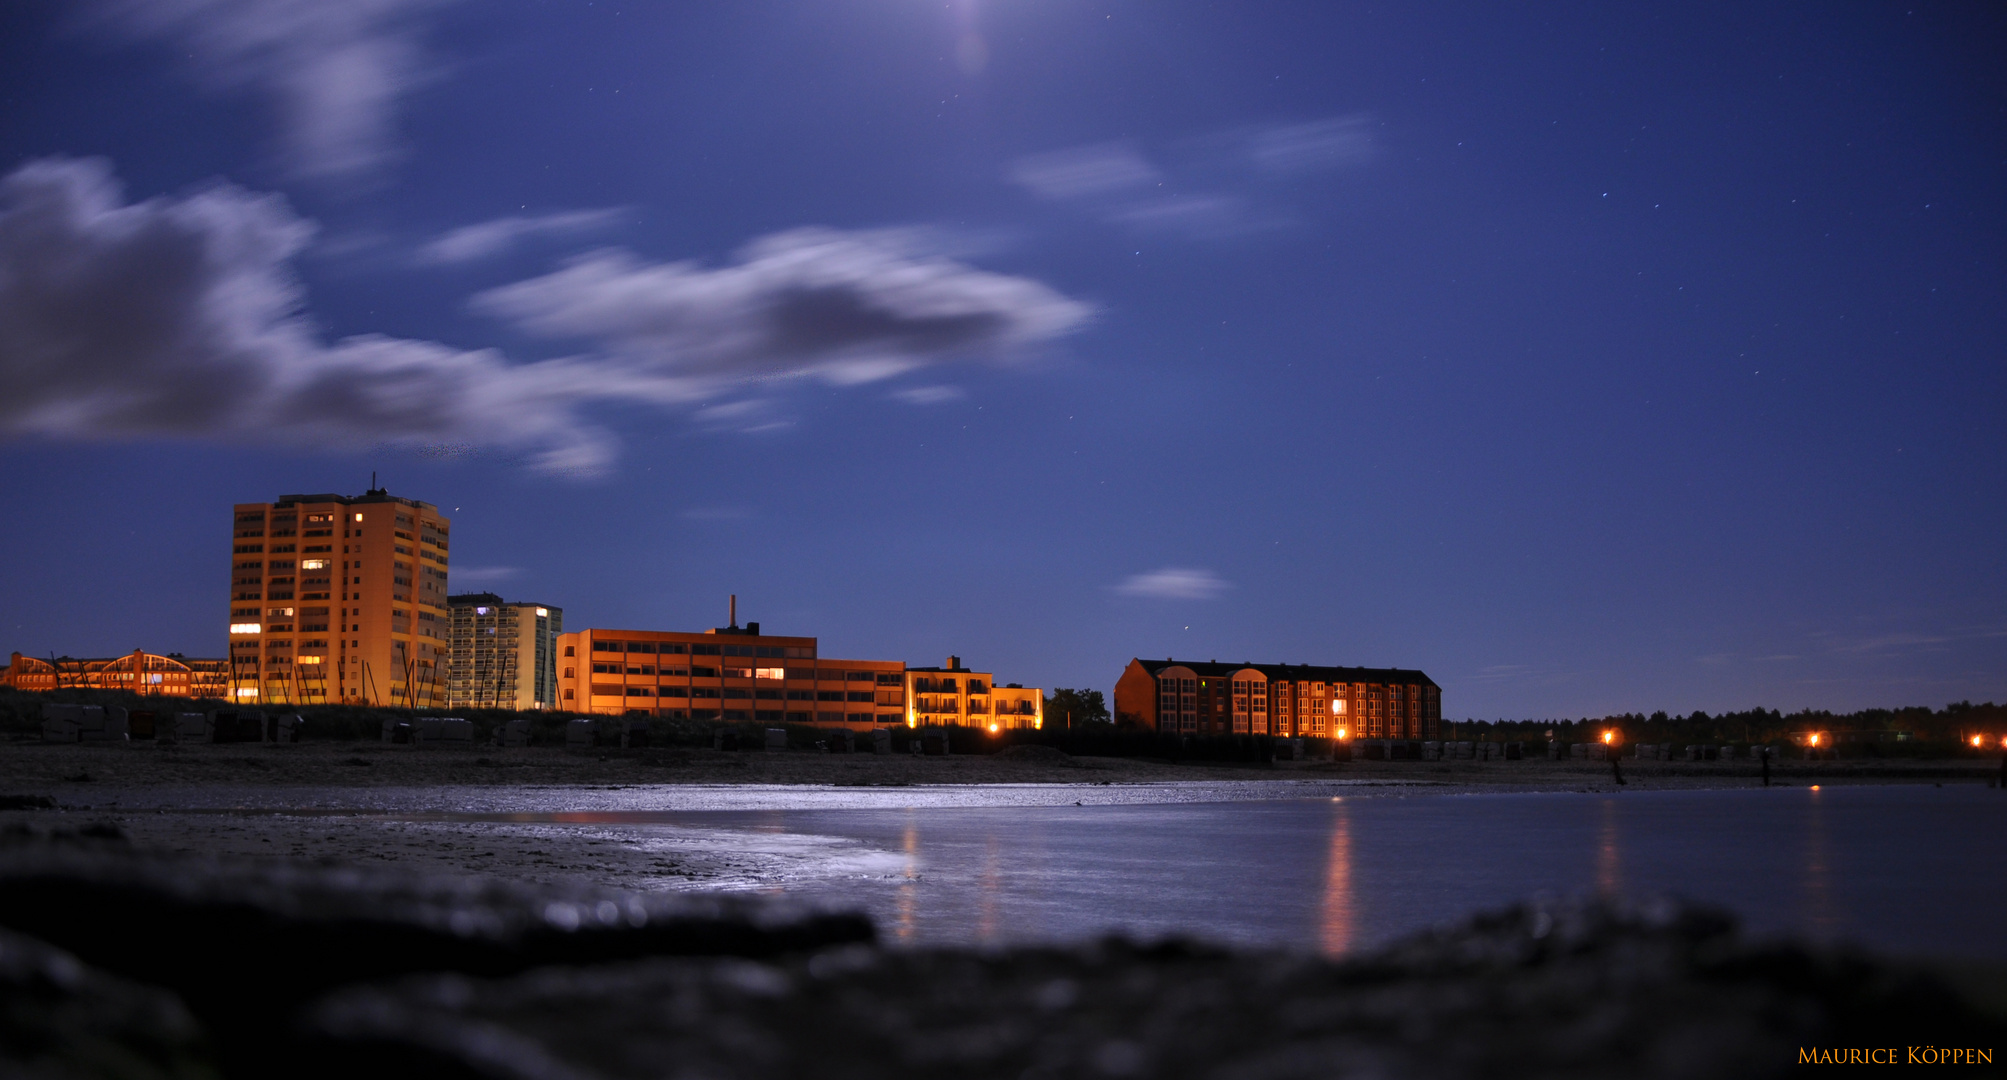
(247, 944)
(60, 1019)
(1571, 991)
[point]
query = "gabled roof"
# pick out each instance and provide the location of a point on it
(1213, 669)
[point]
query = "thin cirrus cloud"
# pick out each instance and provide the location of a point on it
(1174, 583)
(1084, 172)
(334, 72)
(1215, 186)
(181, 317)
(485, 575)
(471, 243)
(1321, 144)
(930, 395)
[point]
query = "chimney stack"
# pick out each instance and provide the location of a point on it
(733, 619)
(954, 663)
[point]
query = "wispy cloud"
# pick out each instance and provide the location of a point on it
(181, 317)
(1199, 217)
(930, 395)
(334, 71)
(1084, 171)
(1212, 187)
(1537, 674)
(845, 307)
(470, 243)
(1322, 144)
(483, 575)
(1174, 583)
(1894, 642)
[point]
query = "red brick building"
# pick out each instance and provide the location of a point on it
(1211, 698)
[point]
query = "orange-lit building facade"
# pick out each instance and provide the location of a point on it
(954, 696)
(736, 674)
(139, 672)
(1211, 698)
(503, 653)
(732, 674)
(337, 598)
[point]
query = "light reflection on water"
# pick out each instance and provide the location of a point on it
(1905, 869)
(1915, 868)
(1335, 926)
(1609, 851)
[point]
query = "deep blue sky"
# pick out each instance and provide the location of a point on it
(1588, 357)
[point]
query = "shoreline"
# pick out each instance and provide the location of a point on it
(369, 764)
(637, 819)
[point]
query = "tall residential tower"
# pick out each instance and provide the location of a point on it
(504, 653)
(339, 598)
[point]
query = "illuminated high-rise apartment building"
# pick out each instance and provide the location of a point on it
(504, 654)
(339, 598)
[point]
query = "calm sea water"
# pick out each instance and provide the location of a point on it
(1915, 869)
(1910, 869)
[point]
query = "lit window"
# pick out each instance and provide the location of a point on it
(769, 673)
(310, 659)
(543, 613)
(245, 628)
(313, 564)
(246, 692)
(358, 517)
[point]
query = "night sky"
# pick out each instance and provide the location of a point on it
(1588, 357)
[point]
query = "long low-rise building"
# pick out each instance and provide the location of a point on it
(1210, 698)
(139, 671)
(736, 674)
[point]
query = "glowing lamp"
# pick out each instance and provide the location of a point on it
(1341, 733)
(1977, 740)
(1815, 740)
(993, 729)
(1609, 736)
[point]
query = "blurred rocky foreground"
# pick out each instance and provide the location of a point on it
(118, 962)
